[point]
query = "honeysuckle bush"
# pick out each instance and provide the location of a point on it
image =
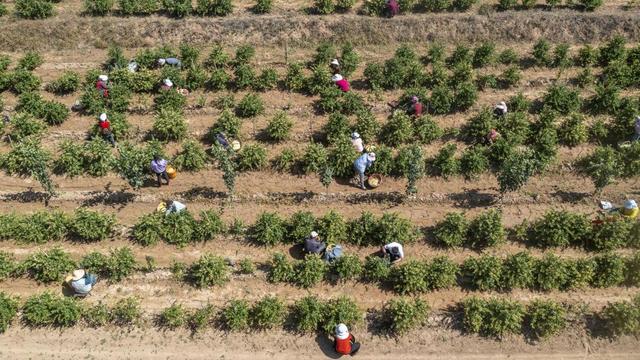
(178, 228)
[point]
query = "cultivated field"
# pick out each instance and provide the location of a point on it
(503, 259)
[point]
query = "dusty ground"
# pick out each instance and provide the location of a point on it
(81, 42)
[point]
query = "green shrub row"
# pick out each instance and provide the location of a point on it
(53, 265)
(271, 229)
(43, 226)
(483, 273)
(492, 317)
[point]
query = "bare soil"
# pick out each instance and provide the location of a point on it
(70, 41)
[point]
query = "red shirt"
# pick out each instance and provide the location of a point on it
(344, 346)
(417, 109)
(102, 87)
(104, 124)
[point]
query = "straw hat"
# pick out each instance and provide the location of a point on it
(103, 77)
(342, 332)
(77, 274)
(336, 77)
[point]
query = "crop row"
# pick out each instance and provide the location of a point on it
(554, 229)
(41, 9)
(512, 164)
(539, 319)
(483, 273)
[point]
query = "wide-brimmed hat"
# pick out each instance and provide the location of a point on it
(336, 77)
(501, 105)
(371, 156)
(355, 135)
(342, 332)
(77, 274)
(103, 117)
(103, 77)
(168, 82)
(335, 62)
(161, 61)
(314, 234)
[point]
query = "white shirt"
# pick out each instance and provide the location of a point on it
(176, 207)
(395, 245)
(357, 144)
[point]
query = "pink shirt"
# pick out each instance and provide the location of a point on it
(343, 85)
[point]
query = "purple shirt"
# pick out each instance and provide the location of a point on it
(159, 166)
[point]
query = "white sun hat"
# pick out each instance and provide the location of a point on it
(77, 274)
(168, 82)
(630, 204)
(342, 332)
(355, 135)
(314, 234)
(161, 61)
(502, 106)
(103, 77)
(335, 62)
(103, 117)
(371, 156)
(336, 77)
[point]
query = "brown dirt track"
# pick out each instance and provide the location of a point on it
(77, 43)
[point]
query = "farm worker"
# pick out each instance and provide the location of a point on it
(341, 82)
(500, 109)
(132, 66)
(393, 251)
(335, 66)
(637, 129)
(159, 167)
(332, 253)
(102, 86)
(356, 141)
(361, 165)
(174, 207)
(392, 8)
(105, 129)
(167, 84)
(630, 209)
(415, 108)
(313, 244)
(81, 282)
(170, 61)
(345, 343)
(221, 139)
(492, 136)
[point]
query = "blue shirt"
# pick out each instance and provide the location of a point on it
(82, 286)
(362, 163)
(173, 61)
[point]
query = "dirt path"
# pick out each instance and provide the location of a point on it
(88, 32)
(429, 343)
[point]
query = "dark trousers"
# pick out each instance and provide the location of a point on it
(109, 137)
(160, 176)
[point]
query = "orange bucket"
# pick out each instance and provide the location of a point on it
(171, 172)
